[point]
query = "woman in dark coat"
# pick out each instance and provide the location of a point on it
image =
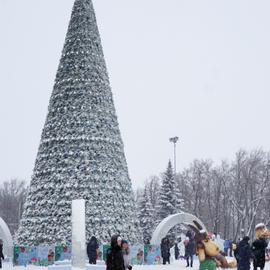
(176, 250)
(243, 254)
(92, 249)
(258, 247)
(165, 250)
(1, 252)
(115, 260)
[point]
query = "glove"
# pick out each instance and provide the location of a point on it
(129, 267)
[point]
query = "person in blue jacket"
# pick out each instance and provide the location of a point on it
(226, 246)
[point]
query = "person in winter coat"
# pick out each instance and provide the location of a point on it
(165, 250)
(1, 252)
(176, 250)
(115, 259)
(243, 254)
(126, 255)
(92, 250)
(232, 247)
(226, 246)
(259, 247)
(189, 252)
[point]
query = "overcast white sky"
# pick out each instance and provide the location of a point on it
(196, 69)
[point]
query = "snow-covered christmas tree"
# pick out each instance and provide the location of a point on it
(167, 200)
(146, 215)
(81, 153)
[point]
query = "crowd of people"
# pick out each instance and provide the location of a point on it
(246, 252)
(189, 249)
(118, 255)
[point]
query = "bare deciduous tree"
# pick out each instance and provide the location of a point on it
(12, 198)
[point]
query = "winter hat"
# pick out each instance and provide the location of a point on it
(246, 238)
(260, 226)
(124, 242)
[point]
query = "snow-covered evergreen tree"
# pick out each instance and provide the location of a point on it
(167, 200)
(81, 153)
(146, 217)
(179, 204)
(154, 191)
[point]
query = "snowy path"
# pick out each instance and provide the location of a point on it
(175, 266)
(178, 266)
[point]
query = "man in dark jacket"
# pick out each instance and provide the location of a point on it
(1, 252)
(243, 254)
(92, 248)
(189, 252)
(115, 260)
(176, 250)
(165, 250)
(258, 247)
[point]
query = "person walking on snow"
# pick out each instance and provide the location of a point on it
(243, 254)
(92, 250)
(1, 252)
(258, 247)
(165, 250)
(176, 250)
(226, 246)
(189, 251)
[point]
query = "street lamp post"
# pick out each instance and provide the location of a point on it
(174, 140)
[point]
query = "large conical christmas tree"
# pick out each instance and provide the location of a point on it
(81, 153)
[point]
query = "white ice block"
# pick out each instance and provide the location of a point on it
(78, 234)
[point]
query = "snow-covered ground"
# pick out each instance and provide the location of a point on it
(179, 265)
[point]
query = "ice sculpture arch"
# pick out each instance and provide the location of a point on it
(169, 222)
(5, 235)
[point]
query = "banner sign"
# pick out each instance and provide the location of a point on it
(24, 256)
(152, 255)
(62, 253)
(137, 254)
(45, 255)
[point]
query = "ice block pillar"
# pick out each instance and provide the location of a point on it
(78, 234)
